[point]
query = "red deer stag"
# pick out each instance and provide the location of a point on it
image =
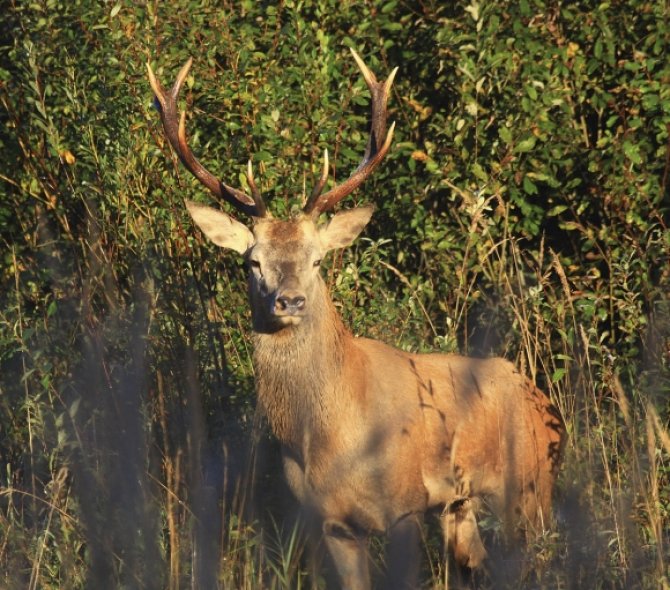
(373, 437)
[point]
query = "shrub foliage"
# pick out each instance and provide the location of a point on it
(523, 211)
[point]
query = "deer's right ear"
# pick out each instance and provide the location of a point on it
(222, 229)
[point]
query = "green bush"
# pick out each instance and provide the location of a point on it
(521, 212)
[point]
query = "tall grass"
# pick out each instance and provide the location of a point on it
(522, 212)
(138, 487)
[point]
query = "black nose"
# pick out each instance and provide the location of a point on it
(290, 303)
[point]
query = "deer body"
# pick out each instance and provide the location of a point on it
(415, 431)
(373, 437)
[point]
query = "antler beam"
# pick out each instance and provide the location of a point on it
(374, 152)
(175, 131)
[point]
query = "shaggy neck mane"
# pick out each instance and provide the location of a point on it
(294, 367)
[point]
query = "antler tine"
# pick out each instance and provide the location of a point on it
(322, 179)
(255, 193)
(375, 150)
(175, 131)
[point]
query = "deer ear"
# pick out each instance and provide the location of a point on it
(222, 229)
(344, 227)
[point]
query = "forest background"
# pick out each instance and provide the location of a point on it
(522, 212)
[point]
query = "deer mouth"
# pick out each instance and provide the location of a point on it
(284, 319)
(287, 317)
(288, 320)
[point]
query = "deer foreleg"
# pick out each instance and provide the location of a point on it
(461, 533)
(402, 555)
(349, 552)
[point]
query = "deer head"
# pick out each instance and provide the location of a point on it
(283, 258)
(283, 255)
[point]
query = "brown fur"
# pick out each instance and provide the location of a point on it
(373, 437)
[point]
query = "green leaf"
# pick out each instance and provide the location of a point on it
(525, 145)
(632, 151)
(505, 134)
(529, 186)
(557, 375)
(557, 210)
(479, 172)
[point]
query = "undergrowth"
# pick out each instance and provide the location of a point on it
(522, 212)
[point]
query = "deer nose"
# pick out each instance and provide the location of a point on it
(289, 303)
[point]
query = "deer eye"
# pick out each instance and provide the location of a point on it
(255, 264)
(317, 263)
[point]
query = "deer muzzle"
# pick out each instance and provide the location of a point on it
(289, 303)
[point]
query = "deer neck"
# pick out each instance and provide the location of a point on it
(296, 372)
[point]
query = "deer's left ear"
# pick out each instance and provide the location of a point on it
(344, 227)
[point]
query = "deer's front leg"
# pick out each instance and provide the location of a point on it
(461, 533)
(403, 554)
(350, 554)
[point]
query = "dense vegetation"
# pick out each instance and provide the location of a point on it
(523, 211)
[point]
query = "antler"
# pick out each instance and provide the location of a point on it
(374, 152)
(176, 134)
